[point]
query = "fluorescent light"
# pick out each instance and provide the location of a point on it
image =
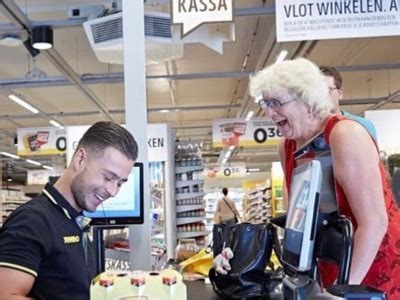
(56, 124)
(33, 162)
(42, 46)
(47, 167)
(228, 154)
(23, 103)
(164, 111)
(282, 55)
(249, 115)
(254, 170)
(10, 155)
(9, 179)
(257, 99)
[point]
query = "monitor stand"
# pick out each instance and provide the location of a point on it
(299, 287)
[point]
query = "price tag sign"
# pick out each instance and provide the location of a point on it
(228, 171)
(258, 132)
(41, 141)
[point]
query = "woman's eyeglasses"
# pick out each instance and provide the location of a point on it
(272, 103)
(332, 88)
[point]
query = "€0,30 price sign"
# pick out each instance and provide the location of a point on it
(257, 132)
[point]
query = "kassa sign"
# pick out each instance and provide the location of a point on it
(193, 13)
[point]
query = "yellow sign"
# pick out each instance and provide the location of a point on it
(41, 141)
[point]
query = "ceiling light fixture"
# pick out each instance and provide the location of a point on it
(253, 170)
(281, 57)
(56, 124)
(10, 155)
(164, 111)
(228, 154)
(33, 162)
(42, 37)
(249, 115)
(23, 103)
(256, 100)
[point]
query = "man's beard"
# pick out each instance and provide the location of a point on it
(78, 189)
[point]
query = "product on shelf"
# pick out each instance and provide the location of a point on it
(9, 201)
(258, 207)
(189, 193)
(186, 248)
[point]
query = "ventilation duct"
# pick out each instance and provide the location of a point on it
(105, 37)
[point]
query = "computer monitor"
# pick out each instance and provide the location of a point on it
(126, 208)
(300, 228)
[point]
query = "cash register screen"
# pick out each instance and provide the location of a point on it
(126, 207)
(298, 243)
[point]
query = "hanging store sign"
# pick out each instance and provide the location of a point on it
(41, 141)
(228, 171)
(192, 13)
(258, 132)
(157, 142)
(326, 19)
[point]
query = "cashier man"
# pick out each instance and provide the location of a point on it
(44, 250)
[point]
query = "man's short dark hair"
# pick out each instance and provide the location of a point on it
(225, 191)
(331, 71)
(104, 134)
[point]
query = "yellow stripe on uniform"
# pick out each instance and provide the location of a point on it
(17, 267)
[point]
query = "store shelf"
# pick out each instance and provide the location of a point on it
(183, 196)
(258, 204)
(184, 183)
(158, 236)
(189, 234)
(182, 221)
(182, 208)
(189, 193)
(185, 169)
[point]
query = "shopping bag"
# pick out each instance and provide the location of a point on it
(217, 218)
(251, 245)
(199, 263)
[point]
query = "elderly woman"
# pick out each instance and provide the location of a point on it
(295, 95)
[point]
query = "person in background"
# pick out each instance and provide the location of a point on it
(295, 96)
(43, 254)
(226, 209)
(334, 80)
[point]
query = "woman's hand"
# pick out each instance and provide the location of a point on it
(221, 262)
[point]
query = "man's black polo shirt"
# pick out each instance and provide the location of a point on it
(41, 238)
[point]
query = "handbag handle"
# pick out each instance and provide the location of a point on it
(230, 239)
(223, 198)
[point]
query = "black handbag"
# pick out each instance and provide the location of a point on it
(252, 247)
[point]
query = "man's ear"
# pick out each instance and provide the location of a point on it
(79, 159)
(340, 91)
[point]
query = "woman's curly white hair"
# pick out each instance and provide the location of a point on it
(300, 77)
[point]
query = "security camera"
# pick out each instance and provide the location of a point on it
(88, 11)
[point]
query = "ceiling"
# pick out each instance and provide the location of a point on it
(198, 87)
